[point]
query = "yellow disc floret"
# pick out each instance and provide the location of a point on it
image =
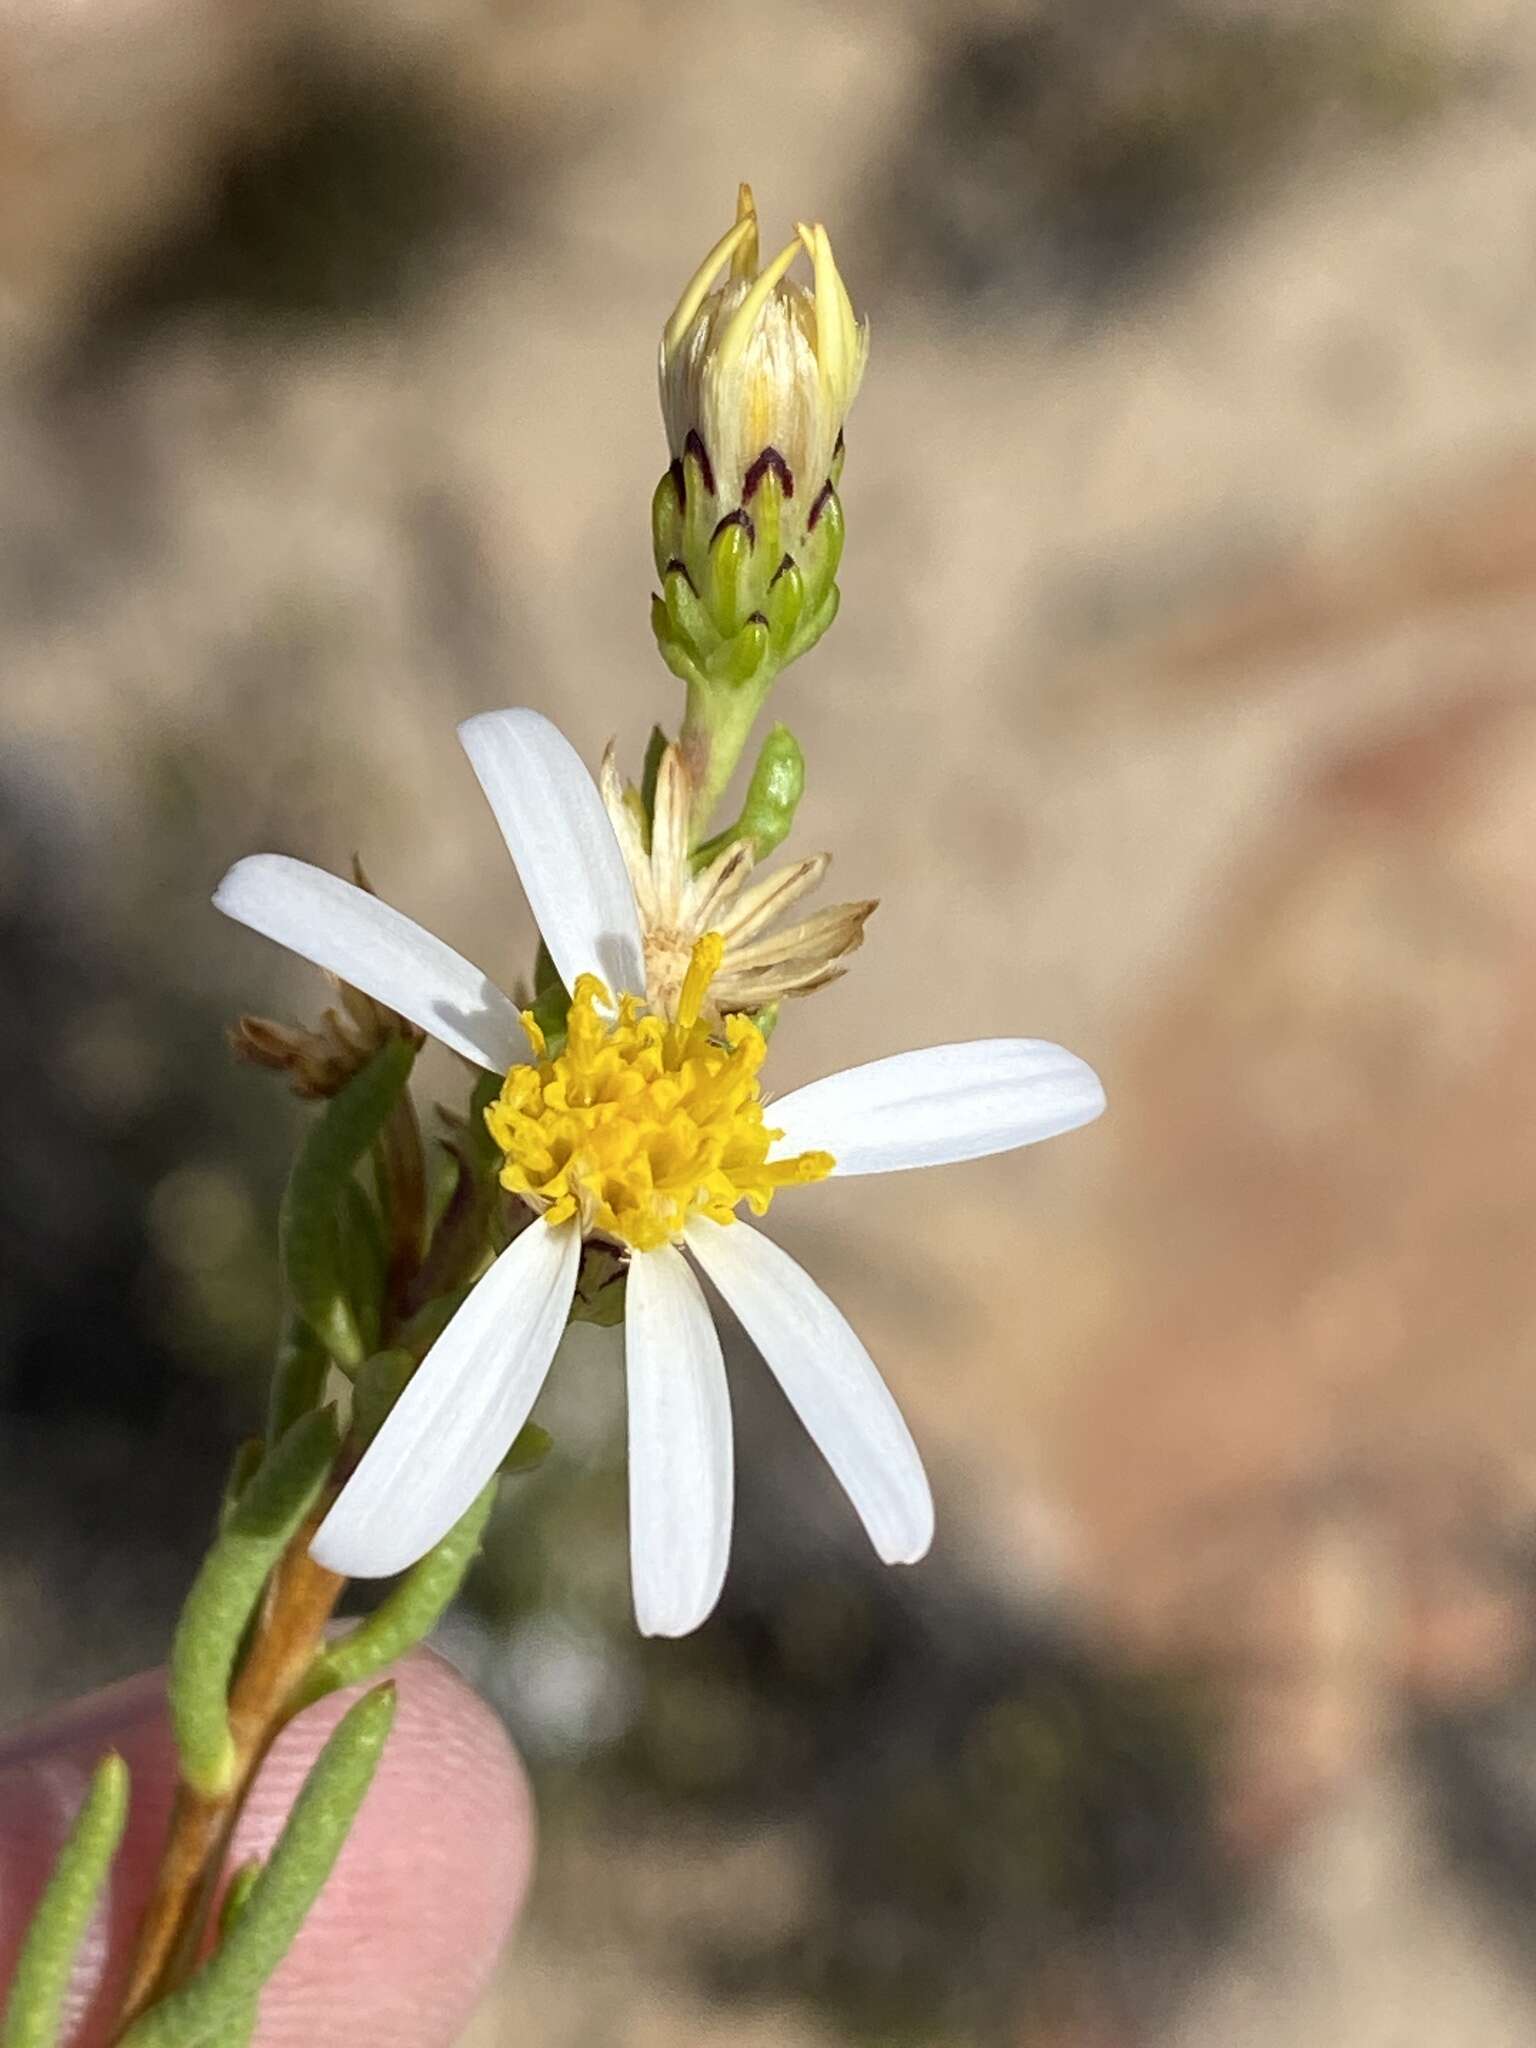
(639, 1124)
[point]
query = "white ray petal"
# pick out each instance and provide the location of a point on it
(458, 1416)
(379, 950)
(680, 1458)
(944, 1103)
(830, 1380)
(562, 844)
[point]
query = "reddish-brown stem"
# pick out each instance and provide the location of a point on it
(299, 1602)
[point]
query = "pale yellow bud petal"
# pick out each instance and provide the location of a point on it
(744, 262)
(737, 332)
(751, 361)
(697, 289)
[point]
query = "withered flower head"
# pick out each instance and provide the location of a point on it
(319, 1062)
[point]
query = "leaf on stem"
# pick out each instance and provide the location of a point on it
(63, 1914)
(298, 1376)
(225, 1592)
(243, 1468)
(217, 2006)
(236, 1898)
(772, 798)
(408, 1614)
(310, 1223)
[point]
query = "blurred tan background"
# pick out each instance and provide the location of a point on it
(1180, 709)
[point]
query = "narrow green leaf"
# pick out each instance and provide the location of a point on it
(364, 1259)
(407, 1614)
(774, 793)
(309, 1228)
(242, 1470)
(225, 1592)
(773, 796)
(241, 1885)
(63, 1914)
(210, 2010)
(298, 1376)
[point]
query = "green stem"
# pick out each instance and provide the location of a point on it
(717, 724)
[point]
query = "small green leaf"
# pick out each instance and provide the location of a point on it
(225, 1592)
(298, 1376)
(406, 1615)
(773, 796)
(241, 1885)
(43, 1970)
(309, 1226)
(209, 2011)
(243, 1468)
(364, 1259)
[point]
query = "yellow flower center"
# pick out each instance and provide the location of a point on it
(639, 1124)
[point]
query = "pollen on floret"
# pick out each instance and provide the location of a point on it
(638, 1123)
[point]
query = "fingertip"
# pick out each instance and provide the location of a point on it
(405, 1934)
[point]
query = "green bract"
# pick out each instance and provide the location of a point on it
(744, 592)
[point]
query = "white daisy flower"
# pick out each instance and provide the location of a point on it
(649, 1131)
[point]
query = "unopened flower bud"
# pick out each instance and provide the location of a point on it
(757, 375)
